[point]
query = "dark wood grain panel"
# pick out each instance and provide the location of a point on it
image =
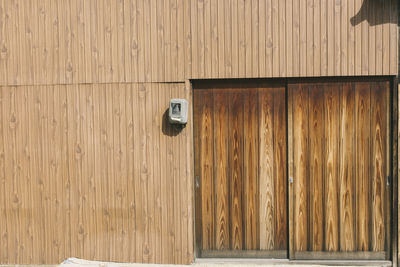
(280, 169)
(250, 165)
(316, 126)
(236, 165)
(300, 151)
(206, 173)
(346, 173)
(378, 168)
(331, 166)
(266, 169)
(348, 130)
(221, 169)
(362, 164)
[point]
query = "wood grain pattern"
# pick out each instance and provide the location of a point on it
(344, 192)
(75, 41)
(331, 164)
(236, 164)
(300, 151)
(250, 163)
(206, 163)
(363, 122)
(222, 170)
(83, 161)
(280, 171)
(346, 172)
(249, 171)
(378, 168)
(266, 157)
(316, 125)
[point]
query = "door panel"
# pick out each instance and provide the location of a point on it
(240, 150)
(341, 206)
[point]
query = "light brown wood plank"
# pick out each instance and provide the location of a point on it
(87, 24)
(242, 38)
(101, 41)
(206, 166)
(300, 151)
(337, 39)
(385, 39)
(173, 43)
(221, 168)
(190, 182)
(250, 165)
(394, 53)
(201, 37)
(372, 40)
(362, 135)
(160, 41)
(180, 72)
(188, 38)
(255, 22)
(351, 38)
(275, 37)
(316, 197)
(379, 39)
(358, 39)
(266, 170)
(331, 37)
(262, 37)
(324, 37)
(345, 35)
(214, 38)
(317, 37)
(130, 161)
(94, 44)
(222, 56)
(296, 39)
(346, 172)
(303, 53)
(280, 177)
(141, 43)
(236, 114)
(3, 221)
(364, 42)
(290, 158)
(208, 35)
(309, 32)
(378, 168)
(227, 29)
(170, 186)
(195, 38)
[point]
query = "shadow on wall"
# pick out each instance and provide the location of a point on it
(168, 128)
(369, 11)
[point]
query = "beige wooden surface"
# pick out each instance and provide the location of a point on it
(98, 41)
(94, 171)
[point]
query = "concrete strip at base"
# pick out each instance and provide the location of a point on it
(74, 262)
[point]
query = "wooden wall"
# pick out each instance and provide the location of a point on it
(101, 41)
(94, 171)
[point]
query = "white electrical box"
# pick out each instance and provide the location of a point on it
(178, 111)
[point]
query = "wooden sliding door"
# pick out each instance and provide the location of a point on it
(240, 168)
(339, 162)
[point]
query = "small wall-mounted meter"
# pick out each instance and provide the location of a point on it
(178, 111)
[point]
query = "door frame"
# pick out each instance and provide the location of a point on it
(393, 159)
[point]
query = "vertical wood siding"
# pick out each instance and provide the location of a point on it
(94, 171)
(100, 41)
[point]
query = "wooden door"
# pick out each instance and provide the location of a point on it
(339, 162)
(240, 168)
